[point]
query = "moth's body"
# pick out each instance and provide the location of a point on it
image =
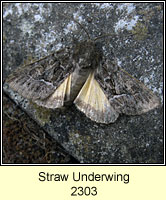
(86, 58)
(83, 76)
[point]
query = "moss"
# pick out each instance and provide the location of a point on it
(141, 28)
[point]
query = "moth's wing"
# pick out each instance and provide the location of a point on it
(58, 97)
(92, 101)
(125, 93)
(40, 79)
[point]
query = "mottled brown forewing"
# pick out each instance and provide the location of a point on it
(125, 93)
(44, 80)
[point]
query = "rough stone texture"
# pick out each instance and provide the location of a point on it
(33, 30)
(25, 142)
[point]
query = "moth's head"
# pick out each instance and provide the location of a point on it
(87, 54)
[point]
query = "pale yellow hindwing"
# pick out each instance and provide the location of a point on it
(56, 100)
(92, 101)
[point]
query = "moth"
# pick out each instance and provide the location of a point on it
(82, 75)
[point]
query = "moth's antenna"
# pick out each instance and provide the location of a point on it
(82, 28)
(77, 23)
(108, 35)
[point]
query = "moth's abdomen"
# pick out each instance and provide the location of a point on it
(78, 79)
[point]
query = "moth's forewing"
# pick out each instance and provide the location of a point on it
(94, 104)
(139, 96)
(47, 78)
(27, 82)
(125, 93)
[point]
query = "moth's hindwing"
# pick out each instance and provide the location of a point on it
(56, 100)
(94, 104)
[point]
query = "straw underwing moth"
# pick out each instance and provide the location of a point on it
(82, 75)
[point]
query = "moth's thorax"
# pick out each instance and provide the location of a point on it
(87, 54)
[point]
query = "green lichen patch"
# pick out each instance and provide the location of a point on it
(82, 141)
(140, 31)
(41, 114)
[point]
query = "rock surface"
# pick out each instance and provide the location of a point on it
(33, 30)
